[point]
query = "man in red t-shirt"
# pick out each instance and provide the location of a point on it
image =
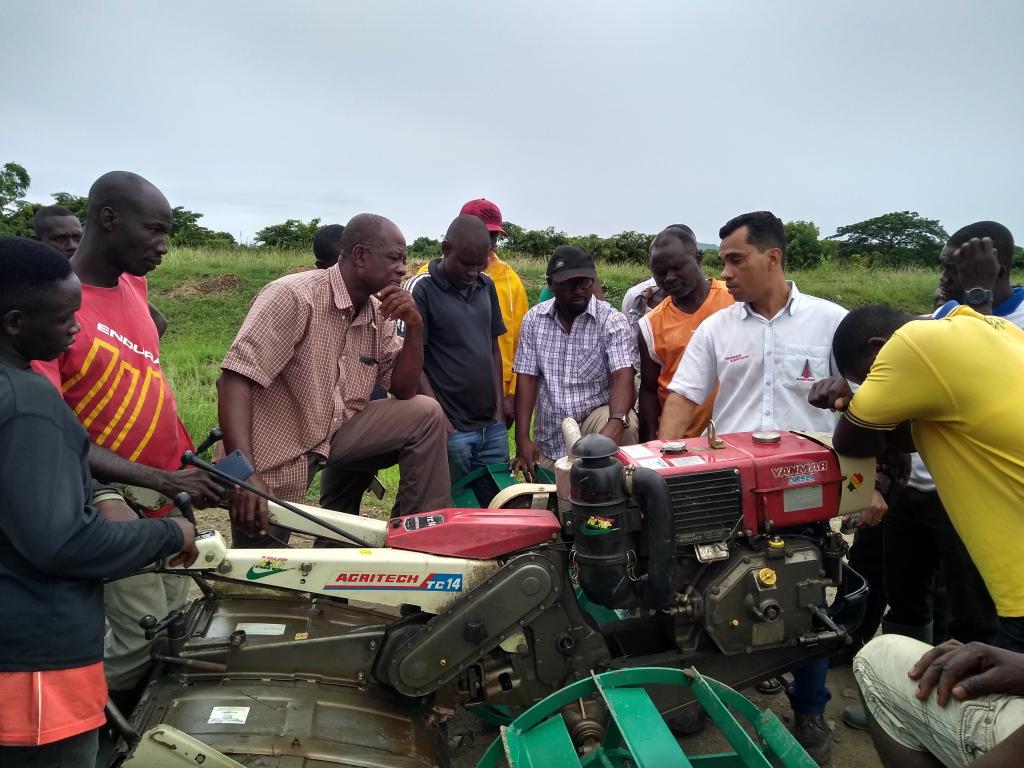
(111, 378)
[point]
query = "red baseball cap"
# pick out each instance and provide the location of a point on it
(487, 212)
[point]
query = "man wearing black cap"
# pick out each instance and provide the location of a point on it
(575, 358)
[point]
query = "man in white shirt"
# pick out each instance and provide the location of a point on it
(765, 352)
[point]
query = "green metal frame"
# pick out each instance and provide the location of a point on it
(637, 736)
(500, 475)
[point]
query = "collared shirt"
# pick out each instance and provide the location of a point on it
(458, 339)
(574, 368)
(634, 307)
(765, 367)
(940, 375)
(514, 305)
(1011, 308)
(316, 366)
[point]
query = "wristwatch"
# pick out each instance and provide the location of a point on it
(620, 417)
(975, 297)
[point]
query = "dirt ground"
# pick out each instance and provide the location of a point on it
(470, 736)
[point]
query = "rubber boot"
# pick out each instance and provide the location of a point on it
(856, 715)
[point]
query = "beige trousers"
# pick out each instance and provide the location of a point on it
(594, 422)
(125, 647)
(956, 734)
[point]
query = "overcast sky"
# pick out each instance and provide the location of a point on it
(586, 116)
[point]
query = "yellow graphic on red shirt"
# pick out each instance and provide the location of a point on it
(102, 432)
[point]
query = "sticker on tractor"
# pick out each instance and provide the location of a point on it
(260, 628)
(267, 566)
(228, 715)
(806, 468)
(434, 582)
(856, 480)
(423, 521)
(639, 451)
(686, 461)
(797, 479)
(598, 525)
(655, 463)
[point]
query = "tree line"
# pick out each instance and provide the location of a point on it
(900, 238)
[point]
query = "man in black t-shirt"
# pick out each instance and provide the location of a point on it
(55, 546)
(461, 358)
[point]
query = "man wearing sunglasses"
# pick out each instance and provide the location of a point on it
(575, 358)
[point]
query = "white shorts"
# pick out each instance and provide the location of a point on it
(956, 734)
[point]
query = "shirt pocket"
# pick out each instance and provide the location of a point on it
(804, 364)
(589, 365)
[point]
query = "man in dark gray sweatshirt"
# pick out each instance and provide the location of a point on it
(55, 546)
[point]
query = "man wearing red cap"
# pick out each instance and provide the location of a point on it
(511, 297)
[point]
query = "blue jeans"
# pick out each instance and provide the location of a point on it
(808, 694)
(475, 448)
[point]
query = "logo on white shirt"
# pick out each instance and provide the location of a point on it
(806, 374)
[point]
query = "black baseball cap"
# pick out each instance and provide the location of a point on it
(569, 261)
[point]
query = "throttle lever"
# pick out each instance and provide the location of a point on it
(184, 504)
(153, 627)
(215, 436)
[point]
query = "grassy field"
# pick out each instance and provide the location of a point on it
(205, 295)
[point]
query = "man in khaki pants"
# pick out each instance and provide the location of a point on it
(575, 359)
(112, 379)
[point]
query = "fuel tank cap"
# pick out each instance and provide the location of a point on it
(766, 438)
(674, 446)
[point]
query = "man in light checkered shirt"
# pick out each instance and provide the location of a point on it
(575, 358)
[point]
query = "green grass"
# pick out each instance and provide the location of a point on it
(206, 293)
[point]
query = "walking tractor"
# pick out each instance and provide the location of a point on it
(713, 555)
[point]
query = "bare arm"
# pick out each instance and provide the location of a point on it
(158, 320)
(106, 466)
(620, 401)
(676, 417)
(234, 411)
(425, 388)
(650, 403)
(398, 304)
(526, 399)
(499, 384)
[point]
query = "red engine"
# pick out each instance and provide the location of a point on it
(769, 480)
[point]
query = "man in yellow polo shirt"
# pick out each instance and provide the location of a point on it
(955, 382)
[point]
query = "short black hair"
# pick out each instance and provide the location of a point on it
(764, 230)
(28, 267)
(681, 232)
(465, 228)
(327, 242)
(49, 212)
(1002, 239)
(850, 342)
(362, 229)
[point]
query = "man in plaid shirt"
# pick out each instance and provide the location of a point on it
(575, 358)
(296, 384)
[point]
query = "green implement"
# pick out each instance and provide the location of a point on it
(479, 487)
(636, 735)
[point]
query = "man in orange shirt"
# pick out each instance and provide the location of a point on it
(666, 330)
